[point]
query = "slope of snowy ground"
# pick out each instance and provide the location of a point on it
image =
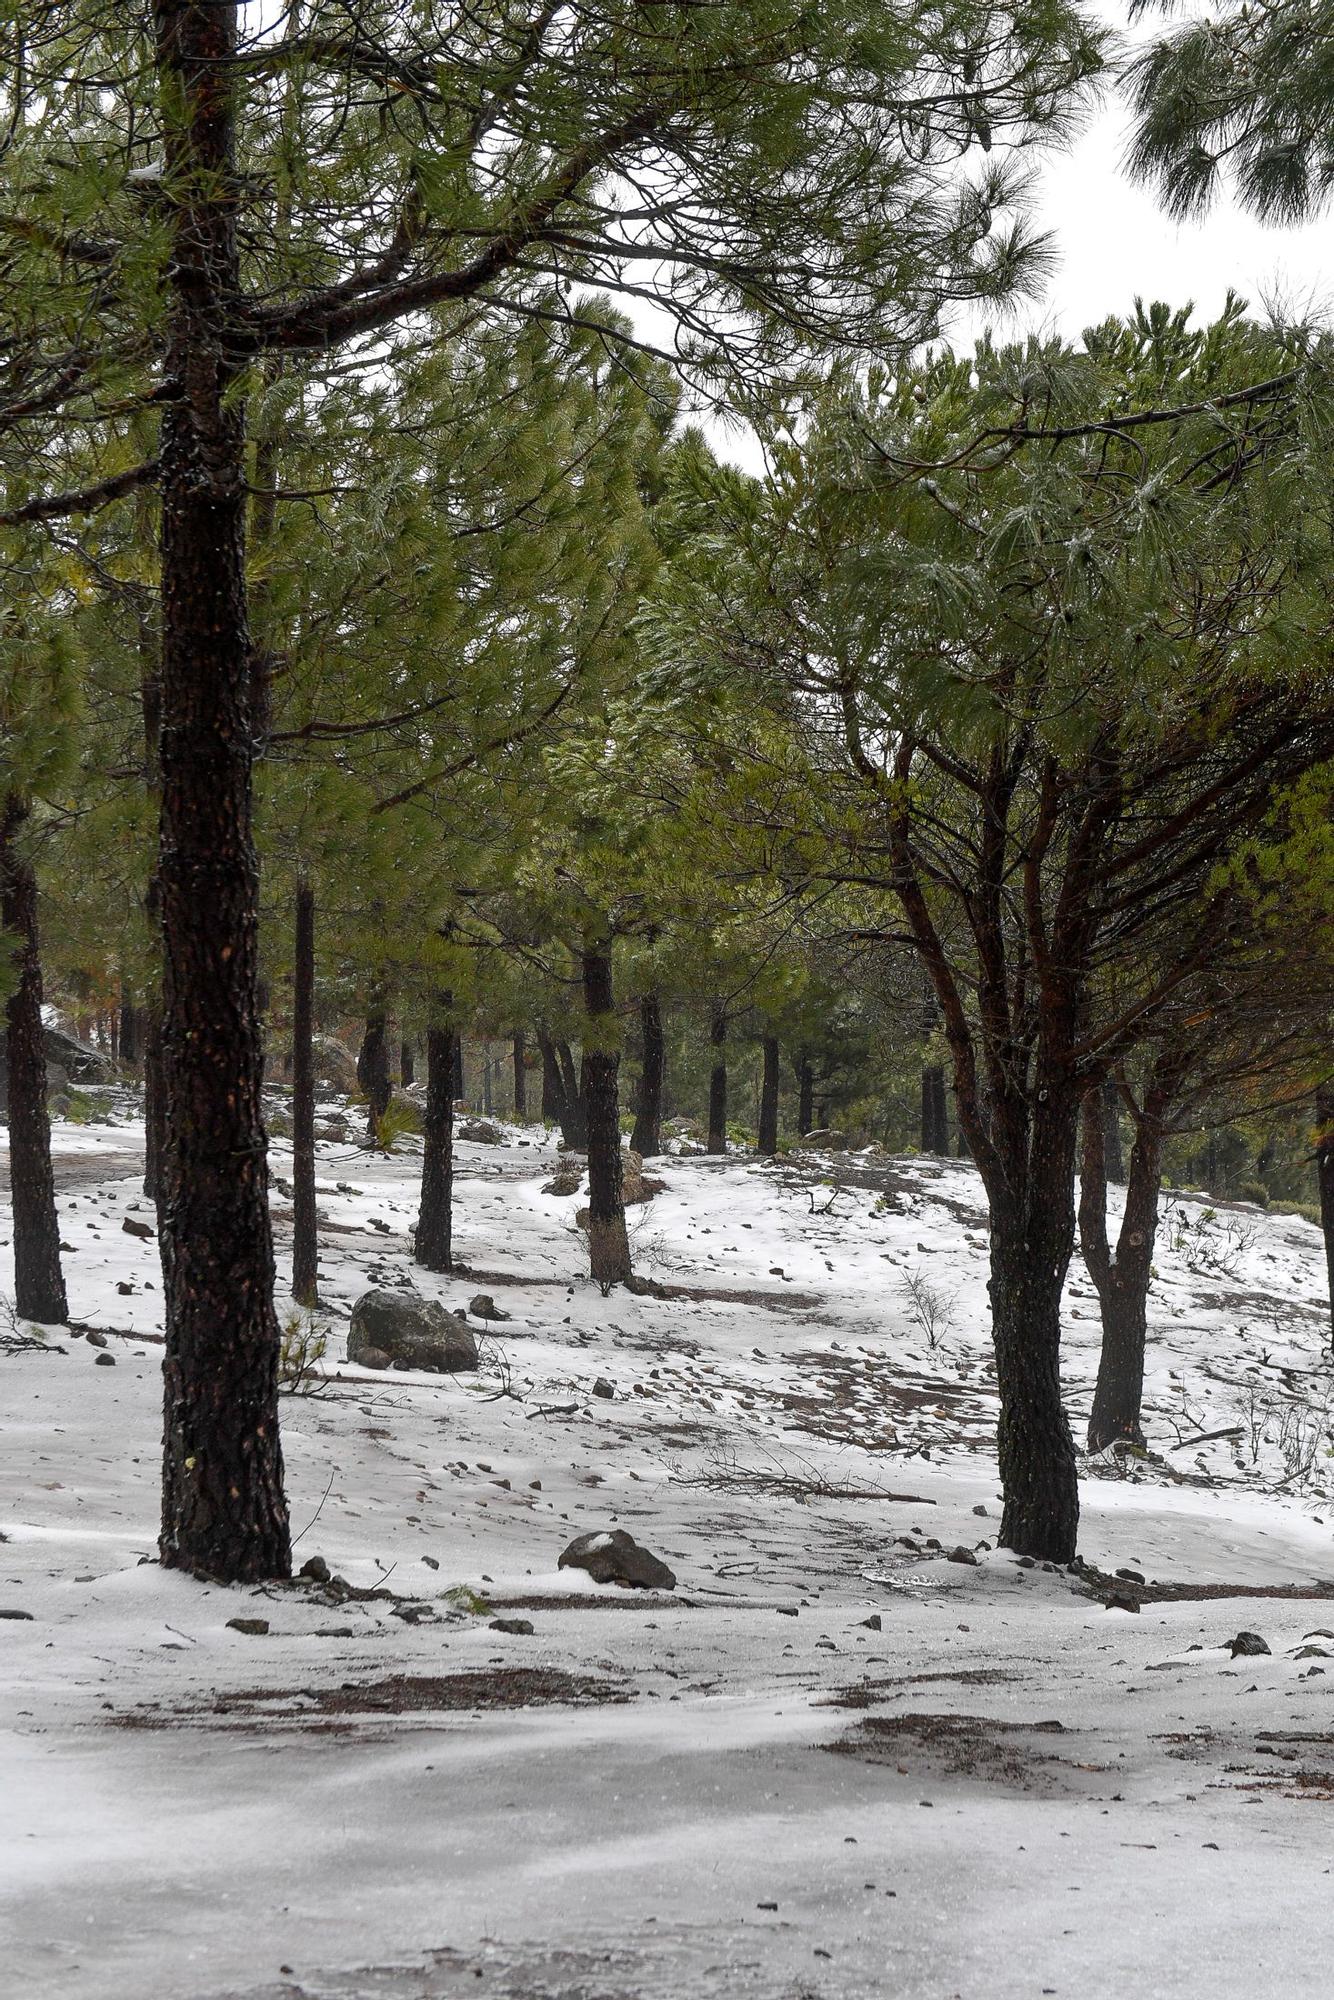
(835, 1763)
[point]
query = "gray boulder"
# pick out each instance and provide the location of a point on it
(481, 1132)
(615, 1557)
(411, 1332)
(827, 1140)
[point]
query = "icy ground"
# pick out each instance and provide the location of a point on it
(1007, 1789)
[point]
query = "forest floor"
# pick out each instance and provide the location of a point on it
(720, 1790)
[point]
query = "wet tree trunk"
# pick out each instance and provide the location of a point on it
(305, 1243)
(717, 1141)
(767, 1136)
(573, 1111)
(553, 1087)
(407, 1064)
(128, 1048)
(805, 1094)
(1113, 1152)
(224, 1514)
(1121, 1276)
(519, 1057)
(935, 1111)
(434, 1239)
(373, 1076)
(608, 1244)
(39, 1282)
(646, 1139)
(1324, 1155)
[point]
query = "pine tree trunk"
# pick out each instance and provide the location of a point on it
(488, 1105)
(224, 1514)
(608, 1244)
(805, 1095)
(935, 1112)
(434, 1248)
(1324, 1154)
(305, 1242)
(128, 1051)
(1120, 1279)
(460, 1081)
(373, 1078)
(407, 1065)
(646, 1139)
(767, 1136)
(1111, 1126)
(39, 1283)
(519, 1057)
(553, 1088)
(573, 1111)
(717, 1141)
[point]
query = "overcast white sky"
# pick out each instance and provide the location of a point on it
(1115, 242)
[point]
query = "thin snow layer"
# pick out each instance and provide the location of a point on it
(742, 1788)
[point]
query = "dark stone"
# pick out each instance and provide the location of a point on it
(105, 1360)
(602, 1387)
(94, 1338)
(962, 1555)
(373, 1357)
(483, 1306)
(254, 1628)
(316, 1568)
(132, 1228)
(411, 1332)
(874, 1623)
(615, 1557)
(520, 1627)
(7, 1611)
(1130, 1576)
(1248, 1645)
(1119, 1603)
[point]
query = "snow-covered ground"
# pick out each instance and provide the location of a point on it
(835, 1763)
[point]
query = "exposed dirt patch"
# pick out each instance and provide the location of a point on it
(957, 1746)
(398, 1694)
(866, 1694)
(1156, 1592)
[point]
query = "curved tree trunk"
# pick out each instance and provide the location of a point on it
(608, 1245)
(305, 1243)
(224, 1514)
(717, 1141)
(373, 1068)
(434, 1245)
(39, 1282)
(1324, 1156)
(767, 1136)
(519, 1058)
(646, 1139)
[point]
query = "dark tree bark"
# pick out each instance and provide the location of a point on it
(128, 1046)
(459, 1080)
(805, 1095)
(608, 1244)
(224, 1513)
(573, 1111)
(1324, 1156)
(407, 1064)
(519, 1057)
(305, 1243)
(373, 1076)
(434, 1246)
(717, 1140)
(767, 1137)
(1113, 1151)
(553, 1087)
(935, 1111)
(39, 1282)
(646, 1139)
(1121, 1276)
(487, 1102)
